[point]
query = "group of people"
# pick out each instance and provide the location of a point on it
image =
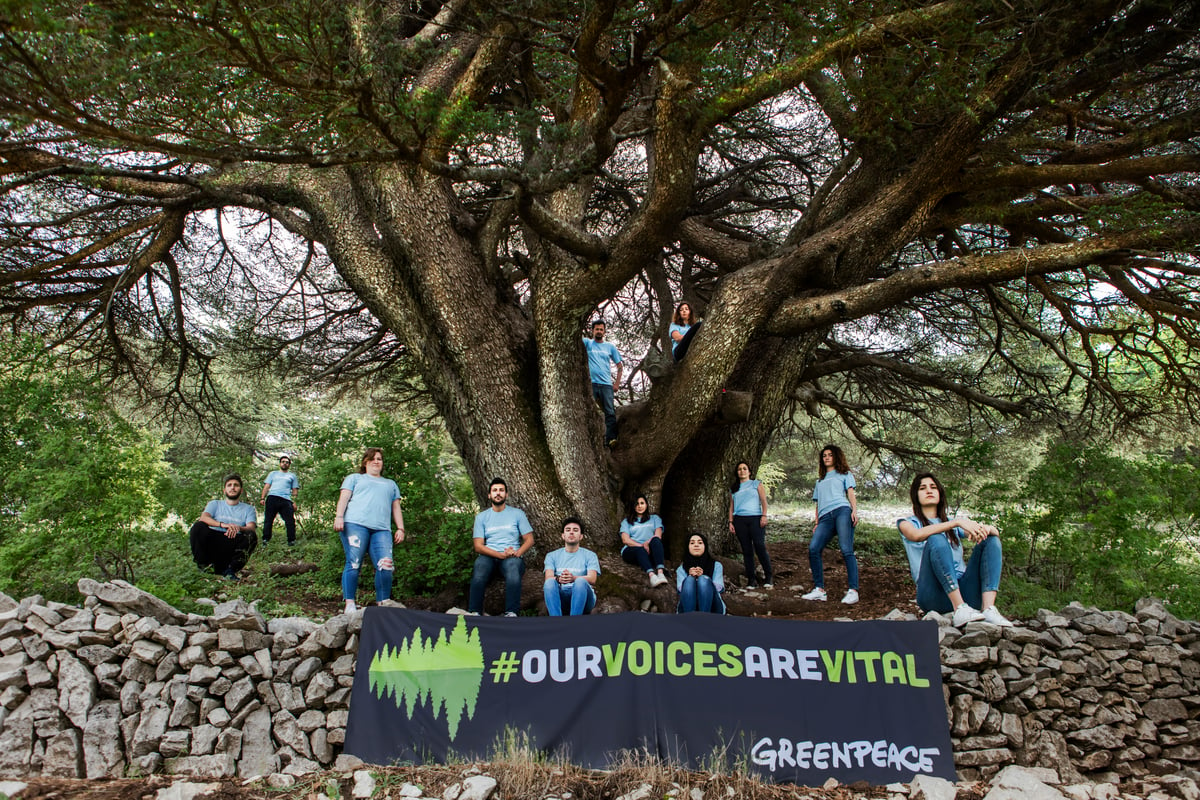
(370, 521)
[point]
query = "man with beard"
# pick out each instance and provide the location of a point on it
(599, 354)
(501, 537)
(279, 498)
(224, 536)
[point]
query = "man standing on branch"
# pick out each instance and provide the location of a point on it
(571, 573)
(502, 536)
(223, 538)
(279, 498)
(604, 384)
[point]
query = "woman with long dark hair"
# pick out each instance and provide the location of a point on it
(748, 521)
(684, 326)
(836, 512)
(934, 545)
(641, 540)
(700, 579)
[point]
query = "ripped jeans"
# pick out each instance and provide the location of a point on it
(356, 539)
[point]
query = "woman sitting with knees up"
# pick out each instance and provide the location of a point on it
(934, 545)
(700, 579)
(641, 540)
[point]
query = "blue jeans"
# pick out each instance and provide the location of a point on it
(511, 569)
(648, 561)
(580, 597)
(356, 539)
(752, 536)
(699, 594)
(603, 394)
(836, 521)
(937, 576)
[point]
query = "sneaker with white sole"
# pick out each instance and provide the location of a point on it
(851, 597)
(964, 614)
(657, 579)
(994, 616)
(816, 594)
(510, 613)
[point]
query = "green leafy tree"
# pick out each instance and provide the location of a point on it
(879, 208)
(1107, 530)
(436, 552)
(76, 480)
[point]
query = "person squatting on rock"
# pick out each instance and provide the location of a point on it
(367, 504)
(224, 536)
(836, 512)
(748, 520)
(599, 355)
(700, 579)
(279, 498)
(641, 540)
(501, 537)
(570, 573)
(933, 543)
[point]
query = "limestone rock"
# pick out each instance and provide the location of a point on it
(103, 751)
(128, 598)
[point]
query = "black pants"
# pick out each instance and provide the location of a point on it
(753, 539)
(681, 348)
(212, 549)
(284, 508)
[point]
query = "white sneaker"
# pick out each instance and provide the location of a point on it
(816, 594)
(656, 579)
(964, 614)
(350, 608)
(768, 585)
(994, 616)
(510, 613)
(851, 597)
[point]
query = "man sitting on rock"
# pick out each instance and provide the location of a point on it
(570, 573)
(224, 536)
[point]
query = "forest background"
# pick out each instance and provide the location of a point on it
(959, 235)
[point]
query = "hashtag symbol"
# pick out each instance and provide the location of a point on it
(505, 666)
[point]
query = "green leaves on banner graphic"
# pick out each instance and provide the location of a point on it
(447, 671)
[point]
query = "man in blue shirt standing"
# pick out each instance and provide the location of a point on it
(279, 498)
(599, 354)
(571, 573)
(501, 537)
(224, 536)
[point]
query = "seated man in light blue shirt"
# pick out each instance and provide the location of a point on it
(224, 536)
(571, 573)
(599, 354)
(502, 536)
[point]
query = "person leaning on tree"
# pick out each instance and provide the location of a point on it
(502, 535)
(279, 499)
(224, 536)
(601, 356)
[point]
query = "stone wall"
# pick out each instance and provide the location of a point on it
(128, 684)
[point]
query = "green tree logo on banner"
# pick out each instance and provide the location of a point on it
(446, 671)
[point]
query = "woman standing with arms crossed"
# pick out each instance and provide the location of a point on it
(836, 512)
(748, 520)
(365, 504)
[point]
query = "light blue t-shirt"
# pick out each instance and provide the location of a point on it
(501, 529)
(681, 330)
(746, 502)
(641, 532)
(578, 562)
(371, 500)
(599, 354)
(830, 491)
(281, 483)
(914, 550)
(718, 576)
(237, 514)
